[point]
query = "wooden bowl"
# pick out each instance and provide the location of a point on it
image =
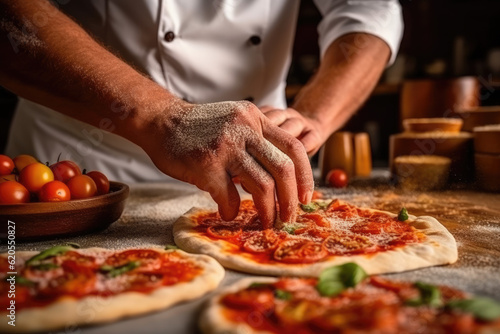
(48, 220)
(433, 124)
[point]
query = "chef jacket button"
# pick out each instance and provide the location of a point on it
(169, 36)
(255, 40)
(250, 99)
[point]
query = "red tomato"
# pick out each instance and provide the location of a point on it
(23, 160)
(12, 192)
(6, 165)
(54, 191)
(35, 175)
(5, 178)
(299, 251)
(81, 186)
(65, 170)
(251, 298)
(223, 231)
(262, 242)
(101, 181)
(337, 178)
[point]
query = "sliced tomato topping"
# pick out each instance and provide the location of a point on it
(299, 251)
(316, 219)
(80, 259)
(224, 231)
(260, 298)
(294, 284)
(261, 242)
(339, 244)
(149, 259)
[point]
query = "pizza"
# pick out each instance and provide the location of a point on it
(325, 233)
(64, 287)
(344, 299)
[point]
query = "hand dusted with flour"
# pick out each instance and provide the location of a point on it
(209, 144)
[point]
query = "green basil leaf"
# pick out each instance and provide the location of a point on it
(482, 308)
(334, 280)
(44, 266)
(117, 271)
(430, 295)
(171, 247)
(330, 288)
(289, 229)
(282, 294)
(311, 207)
(56, 250)
(403, 215)
(257, 285)
(323, 205)
(24, 281)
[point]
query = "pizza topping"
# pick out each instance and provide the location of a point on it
(403, 215)
(119, 270)
(482, 308)
(224, 231)
(323, 229)
(299, 251)
(62, 272)
(334, 280)
(171, 247)
(360, 305)
(261, 242)
(429, 295)
(56, 250)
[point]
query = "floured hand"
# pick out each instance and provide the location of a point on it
(305, 129)
(209, 144)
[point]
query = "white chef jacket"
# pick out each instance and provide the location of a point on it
(200, 50)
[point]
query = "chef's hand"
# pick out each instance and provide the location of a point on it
(308, 130)
(209, 144)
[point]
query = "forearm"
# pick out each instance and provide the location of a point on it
(60, 66)
(349, 71)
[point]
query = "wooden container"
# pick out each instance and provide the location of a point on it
(422, 172)
(479, 116)
(488, 171)
(456, 146)
(50, 220)
(337, 152)
(362, 155)
(429, 98)
(487, 139)
(433, 124)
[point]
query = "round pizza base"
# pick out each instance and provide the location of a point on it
(438, 248)
(212, 320)
(70, 312)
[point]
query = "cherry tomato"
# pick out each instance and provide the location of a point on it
(6, 165)
(54, 191)
(35, 175)
(10, 177)
(337, 178)
(12, 192)
(65, 170)
(81, 186)
(101, 181)
(23, 160)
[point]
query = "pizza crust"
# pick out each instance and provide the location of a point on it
(70, 312)
(212, 321)
(439, 248)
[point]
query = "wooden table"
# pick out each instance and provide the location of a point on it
(472, 217)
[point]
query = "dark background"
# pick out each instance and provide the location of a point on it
(433, 29)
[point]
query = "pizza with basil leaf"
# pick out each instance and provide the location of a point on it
(344, 299)
(66, 287)
(325, 233)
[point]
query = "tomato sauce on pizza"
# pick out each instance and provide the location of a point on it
(376, 305)
(321, 231)
(77, 275)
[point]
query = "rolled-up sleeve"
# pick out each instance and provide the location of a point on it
(381, 18)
